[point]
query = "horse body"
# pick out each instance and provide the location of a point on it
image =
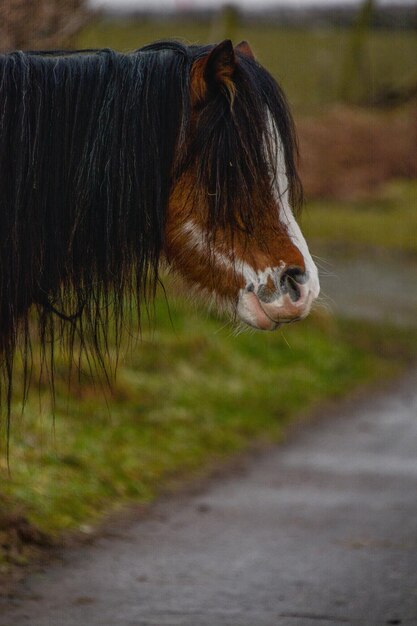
(110, 163)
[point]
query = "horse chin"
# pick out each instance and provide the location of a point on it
(250, 311)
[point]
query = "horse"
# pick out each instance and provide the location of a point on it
(114, 164)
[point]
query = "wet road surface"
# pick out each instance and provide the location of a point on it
(383, 287)
(322, 530)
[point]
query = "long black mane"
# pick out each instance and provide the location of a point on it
(90, 142)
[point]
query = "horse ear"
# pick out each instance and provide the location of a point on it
(245, 50)
(213, 71)
(220, 64)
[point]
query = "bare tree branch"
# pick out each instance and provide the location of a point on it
(40, 24)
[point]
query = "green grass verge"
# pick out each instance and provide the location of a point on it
(186, 396)
(308, 63)
(388, 221)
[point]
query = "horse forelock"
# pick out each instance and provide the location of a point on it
(235, 153)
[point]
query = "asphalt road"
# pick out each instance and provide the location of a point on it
(322, 530)
(379, 287)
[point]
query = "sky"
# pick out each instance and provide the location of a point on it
(248, 4)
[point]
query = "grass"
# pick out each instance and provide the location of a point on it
(388, 221)
(307, 62)
(190, 394)
(184, 398)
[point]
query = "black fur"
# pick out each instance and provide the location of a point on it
(90, 145)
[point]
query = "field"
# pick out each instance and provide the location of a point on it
(191, 391)
(387, 220)
(186, 396)
(307, 63)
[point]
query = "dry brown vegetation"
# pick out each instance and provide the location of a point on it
(350, 153)
(40, 24)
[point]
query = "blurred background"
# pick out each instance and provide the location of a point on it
(192, 391)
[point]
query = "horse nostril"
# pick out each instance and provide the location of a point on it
(297, 274)
(290, 281)
(287, 283)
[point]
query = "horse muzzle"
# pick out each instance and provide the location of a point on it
(287, 296)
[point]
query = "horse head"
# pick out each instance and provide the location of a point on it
(230, 229)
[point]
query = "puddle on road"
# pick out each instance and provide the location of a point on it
(380, 287)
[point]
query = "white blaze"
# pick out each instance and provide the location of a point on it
(197, 240)
(287, 218)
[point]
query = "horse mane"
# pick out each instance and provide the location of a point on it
(90, 143)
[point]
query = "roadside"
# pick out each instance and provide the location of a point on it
(385, 222)
(175, 413)
(190, 395)
(383, 286)
(321, 530)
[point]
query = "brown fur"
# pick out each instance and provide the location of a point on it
(191, 260)
(181, 252)
(216, 68)
(244, 49)
(267, 246)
